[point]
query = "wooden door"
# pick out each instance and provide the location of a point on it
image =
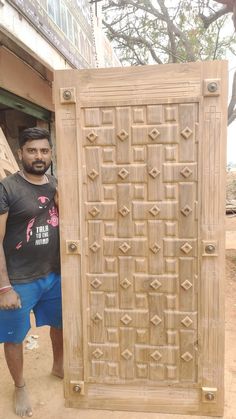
(8, 163)
(141, 168)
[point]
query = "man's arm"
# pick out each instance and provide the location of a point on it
(10, 299)
(56, 198)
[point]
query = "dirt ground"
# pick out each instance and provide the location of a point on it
(47, 391)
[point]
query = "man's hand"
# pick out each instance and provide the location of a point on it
(10, 300)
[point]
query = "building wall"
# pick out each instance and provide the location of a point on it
(14, 25)
(38, 37)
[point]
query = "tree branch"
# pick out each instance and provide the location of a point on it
(208, 20)
(170, 31)
(232, 103)
(133, 40)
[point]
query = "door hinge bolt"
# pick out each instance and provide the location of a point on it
(72, 247)
(210, 396)
(210, 248)
(77, 388)
(212, 87)
(67, 94)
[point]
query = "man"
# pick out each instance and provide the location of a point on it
(29, 258)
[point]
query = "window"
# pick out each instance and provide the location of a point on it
(70, 26)
(63, 18)
(76, 33)
(53, 8)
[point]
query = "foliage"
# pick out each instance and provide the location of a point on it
(170, 31)
(145, 31)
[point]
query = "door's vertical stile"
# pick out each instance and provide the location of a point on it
(212, 233)
(82, 180)
(70, 233)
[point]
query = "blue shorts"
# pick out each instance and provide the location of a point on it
(43, 296)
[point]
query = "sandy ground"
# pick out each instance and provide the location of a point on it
(47, 391)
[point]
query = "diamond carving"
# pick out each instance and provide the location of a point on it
(97, 318)
(154, 134)
(123, 173)
(155, 284)
(94, 211)
(156, 355)
(186, 172)
(126, 354)
(124, 211)
(92, 136)
(186, 248)
(186, 133)
(187, 321)
(125, 283)
(123, 135)
(94, 247)
(97, 353)
(187, 357)
(156, 320)
(154, 172)
(186, 284)
(93, 174)
(155, 248)
(124, 247)
(96, 283)
(186, 210)
(126, 319)
(154, 210)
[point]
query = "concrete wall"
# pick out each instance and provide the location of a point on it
(19, 30)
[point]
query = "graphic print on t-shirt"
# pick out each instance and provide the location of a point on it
(29, 229)
(41, 232)
(44, 201)
(42, 235)
(54, 217)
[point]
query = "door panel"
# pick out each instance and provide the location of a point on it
(141, 161)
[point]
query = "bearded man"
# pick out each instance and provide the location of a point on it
(29, 258)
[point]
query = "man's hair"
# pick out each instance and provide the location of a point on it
(34, 133)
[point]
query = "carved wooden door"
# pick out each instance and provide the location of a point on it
(141, 167)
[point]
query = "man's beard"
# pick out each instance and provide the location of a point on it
(33, 170)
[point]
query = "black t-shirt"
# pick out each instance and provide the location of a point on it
(31, 242)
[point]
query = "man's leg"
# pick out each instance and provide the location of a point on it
(57, 349)
(14, 359)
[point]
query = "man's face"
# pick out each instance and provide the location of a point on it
(35, 156)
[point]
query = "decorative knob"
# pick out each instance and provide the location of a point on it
(210, 248)
(67, 94)
(212, 87)
(210, 397)
(72, 247)
(77, 388)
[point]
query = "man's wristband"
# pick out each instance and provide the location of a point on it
(5, 289)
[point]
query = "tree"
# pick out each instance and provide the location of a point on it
(156, 31)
